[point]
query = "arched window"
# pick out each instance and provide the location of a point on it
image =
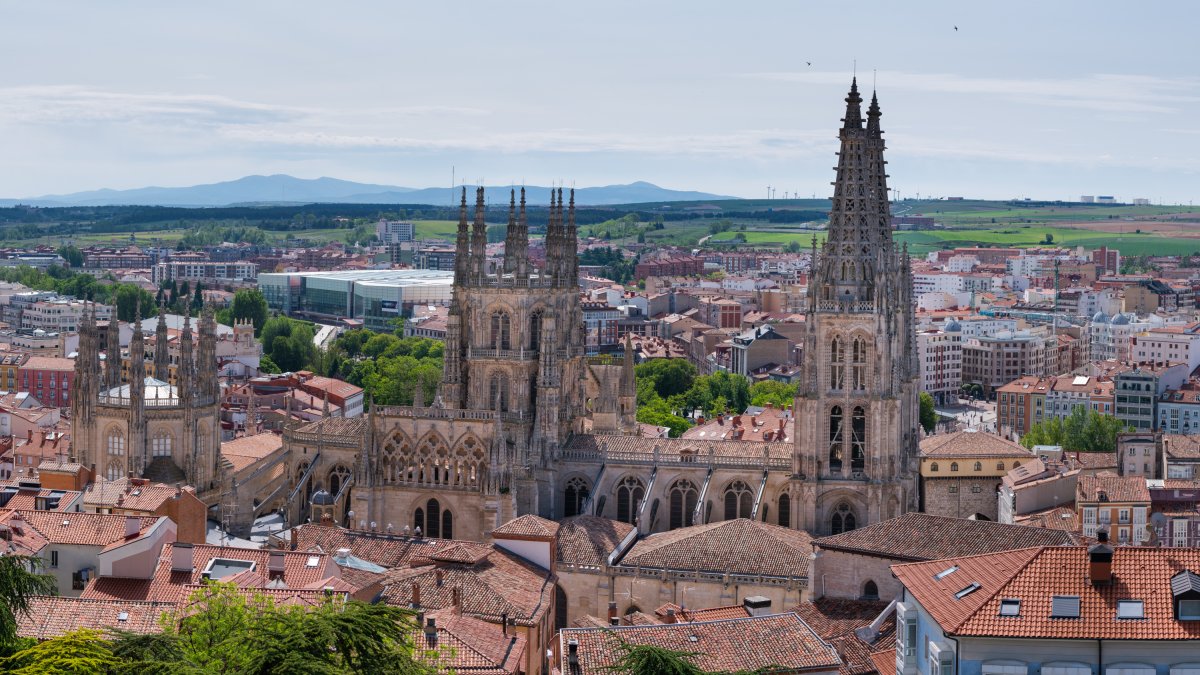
(954, 466)
(979, 466)
(739, 500)
(498, 393)
(629, 495)
(858, 439)
(160, 445)
(933, 467)
(116, 442)
(500, 329)
(683, 503)
(535, 330)
(842, 520)
(447, 525)
(858, 355)
(337, 478)
(115, 470)
(870, 591)
(785, 510)
(574, 497)
(837, 369)
(433, 519)
(419, 522)
(835, 439)
(999, 466)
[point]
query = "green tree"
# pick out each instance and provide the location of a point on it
(928, 414)
(669, 376)
(249, 303)
(793, 246)
(658, 413)
(735, 389)
(775, 393)
(1084, 430)
(653, 660)
(19, 581)
(129, 298)
(72, 255)
(82, 651)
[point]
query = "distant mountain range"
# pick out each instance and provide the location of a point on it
(284, 189)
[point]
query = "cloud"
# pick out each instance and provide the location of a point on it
(70, 104)
(1102, 92)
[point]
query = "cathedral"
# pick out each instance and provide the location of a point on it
(143, 425)
(525, 422)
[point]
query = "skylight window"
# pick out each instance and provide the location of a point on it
(1064, 607)
(312, 561)
(1010, 607)
(123, 616)
(967, 591)
(1130, 609)
(945, 573)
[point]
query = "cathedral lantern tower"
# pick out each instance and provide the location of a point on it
(857, 405)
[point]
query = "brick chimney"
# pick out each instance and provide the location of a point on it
(416, 595)
(1100, 560)
(612, 615)
(670, 616)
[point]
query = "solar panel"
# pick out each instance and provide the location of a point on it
(1064, 607)
(1130, 609)
(1010, 607)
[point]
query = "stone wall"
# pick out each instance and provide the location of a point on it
(960, 497)
(838, 574)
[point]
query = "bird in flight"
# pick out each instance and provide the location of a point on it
(809, 62)
(956, 29)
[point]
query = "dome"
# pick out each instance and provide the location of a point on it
(1100, 317)
(1120, 320)
(152, 390)
(953, 326)
(321, 498)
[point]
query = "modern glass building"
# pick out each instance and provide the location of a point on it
(376, 297)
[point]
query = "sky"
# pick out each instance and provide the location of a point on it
(1045, 100)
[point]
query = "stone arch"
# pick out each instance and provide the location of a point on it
(682, 496)
(115, 441)
(467, 462)
(978, 466)
(858, 438)
(499, 391)
(630, 492)
(535, 327)
(870, 590)
(433, 517)
(842, 519)
(115, 469)
(738, 499)
(836, 435)
(561, 604)
(785, 510)
(574, 495)
(933, 467)
(954, 466)
(336, 478)
(859, 360)
(395, 459)
(830, 503)
(837, 361)
(431, 460)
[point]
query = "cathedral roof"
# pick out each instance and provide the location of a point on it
(588, 540)
(739, 546)
(336, 426)
(528, 525)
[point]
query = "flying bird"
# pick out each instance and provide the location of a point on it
(956, 29)
(809, 62)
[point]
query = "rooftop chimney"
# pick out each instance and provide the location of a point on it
(416, 595)
(612, 614)
(343, 556)
(757, 605)
(670, 616)
(1100, 560)
(181, 557)
(573, 653)
(504, 623)
(133, 525)
(275, 564)
(456, 599)
(438, 576)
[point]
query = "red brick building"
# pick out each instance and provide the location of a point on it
(49, 378)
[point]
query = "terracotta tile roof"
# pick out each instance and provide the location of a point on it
(1094, 460)
(375, 547)
(1035, 576)
(836, 620)
(643, 448)
(26, 498)
(1179, 446)
(588, 540)
(702, 614)
(1109, 487)
(51, 617)
(885, 661)
(470, 646)
(170, 586)
(49, 363)
(971, 444)
(245, 451)
(501, 583)
(528, 526)
(739, 546)
(1060, 518)
(80, 529)
(336, 427)
(921, 536)
(779, 640)
(137, 494)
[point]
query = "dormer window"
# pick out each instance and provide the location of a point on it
(1185, 591)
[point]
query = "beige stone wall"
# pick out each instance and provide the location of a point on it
(957, 498)
(837, 574)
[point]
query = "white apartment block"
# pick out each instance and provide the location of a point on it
(1111, 338)
(936, 283)
(1168, 344)
(940, 356)
(395, 231)
(61, 316)
(205, 270)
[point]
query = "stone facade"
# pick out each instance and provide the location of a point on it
(966, 497)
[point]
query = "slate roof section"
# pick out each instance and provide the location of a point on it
(740, 546)
(780, 640)
(588, 540)
(971, 444)
(1036, 575)
(528, 525)
(921, 536)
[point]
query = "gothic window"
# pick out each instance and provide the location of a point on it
(419, 522)
(954, 466)
(979, 466)
(576, 494)
(447, 525)
(858, 439)
(683, 503)
(837, 369)
(535, 330)
(160, 445)
(500, 331)
(785, 510)
(835, 438)
(933, 467)
(433, 519)
(843, 519)
(115, 470)
(629, 495)
(116, 442)
(739, 500)
(498, 393)
(859, 364)
(337, 478)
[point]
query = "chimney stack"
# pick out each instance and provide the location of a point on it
(275, 564)
(573, 654)
(438, 575)
(612, 614)
(1100, 560)
(133, 525)
(504, 623)
(416, 595)
(181, 557)
(670, 616)
(456, 599)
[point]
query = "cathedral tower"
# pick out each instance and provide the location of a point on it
(857, 405)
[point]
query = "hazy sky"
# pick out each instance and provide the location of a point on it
(1026, 99)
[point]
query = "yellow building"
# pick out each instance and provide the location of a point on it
(961, 473)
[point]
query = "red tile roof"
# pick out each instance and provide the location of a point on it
(1035, 576)
(1109, 487)
(740, 546)
(837, 620)
(588, 540)
(468, 645)
(528, 526)
(51, 617)
(778, 640)
(971, 444)
(921, 536)
(245, 451)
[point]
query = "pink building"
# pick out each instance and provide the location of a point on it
(49, 379)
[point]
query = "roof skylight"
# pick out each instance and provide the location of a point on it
(945, 573)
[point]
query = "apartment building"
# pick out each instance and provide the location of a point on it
(1118, 504)
(939, 353)
(1020, 404)
(995, 360)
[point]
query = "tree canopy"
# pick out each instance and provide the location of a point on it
(928, 414)
(1084, 430)
(249, 303)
